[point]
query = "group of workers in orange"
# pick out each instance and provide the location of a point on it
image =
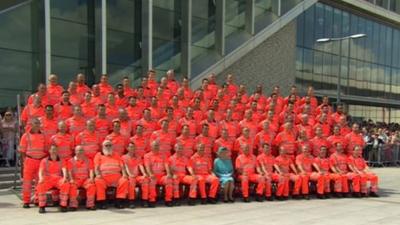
(164, 134)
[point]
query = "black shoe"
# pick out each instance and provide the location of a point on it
(246, 199)
(26, 206)
(296, 197)
(102, 204)
(364, 195)
(285, 198)
(212, 201)
(56, 203)
(63, 209)
(72, 209)
(232, 200)
(145, 203)
(119, 203)
(177, 202)
(42, 210)
(328, 195)
(259, 198)
(346, 195)
(203, 201)
(169, 203)
(91, 208)
(306, 197)
(151, 204)
(279, 198)
(356, 195)
(131, 204)
(192, 201)
(337, 195)
(320, 196)
(374, 195)
(269, 198)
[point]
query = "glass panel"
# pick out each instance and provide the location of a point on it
(167, 35)
(309, 39)
(345, 32)
(300, 30)
(73, 43)
(67, 68)
(16, 29)
(235, 24)
(266, 11)
(72, 10)
(123, 38)
(288, 5)
(72, 51)
(319, 27)
(203, 35)
(368, 41)
(121, 15)
(360, 42)
(16, 70)
(19, 59)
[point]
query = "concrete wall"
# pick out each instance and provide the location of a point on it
(271, 63)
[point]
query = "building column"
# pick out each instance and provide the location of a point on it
(147, 34)
(186, 38)
(250, 16)
(47, 38)
(103, 37)
(220, 27)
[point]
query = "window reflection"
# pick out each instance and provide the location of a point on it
(167, 23)
(123, 39)
(369, 66)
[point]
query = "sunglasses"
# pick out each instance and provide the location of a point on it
(108, 145)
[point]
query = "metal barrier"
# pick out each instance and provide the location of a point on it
(17, 156)
(384, 155)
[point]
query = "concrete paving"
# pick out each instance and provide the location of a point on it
(369, 211)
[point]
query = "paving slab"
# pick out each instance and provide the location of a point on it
(365, 211)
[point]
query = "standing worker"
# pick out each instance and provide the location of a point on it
(32, 148)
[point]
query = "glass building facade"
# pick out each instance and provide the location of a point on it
(122, 37)
(368, 66)
(128, 37)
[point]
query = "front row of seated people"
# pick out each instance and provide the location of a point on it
(178, 174)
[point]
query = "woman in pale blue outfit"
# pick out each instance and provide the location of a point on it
(223, 168)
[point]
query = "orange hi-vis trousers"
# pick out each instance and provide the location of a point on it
(208, 179)
(53, 182)
(144, 186)
(342, 184)
(30, 173)
(279, 179)
(160, 180)
(253, 178)
(364, 178)
(188, 180)
(90, 189)
(316, 177)
(111, 180)
(296, 179)
(328, 177)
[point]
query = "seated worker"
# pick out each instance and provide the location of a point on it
(81, 175)
(358, 165)
(110, 172)
(53, 174)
